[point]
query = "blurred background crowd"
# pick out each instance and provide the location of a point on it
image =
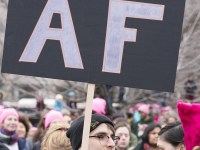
(27, 122)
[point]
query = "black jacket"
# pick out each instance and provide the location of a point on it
(3, 147)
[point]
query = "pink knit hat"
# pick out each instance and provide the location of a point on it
(51, 116)
(99, 106)
(144, 108)
(7, 112)
(190, 115)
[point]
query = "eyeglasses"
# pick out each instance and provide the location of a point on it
(103, 138)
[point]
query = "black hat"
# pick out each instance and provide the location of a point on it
(75, 131)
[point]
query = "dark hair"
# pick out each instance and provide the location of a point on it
(25, 121)
(172, 133)
(118, 114)
(38, 135)
(40, 104)
(149, 128)
(110, 127)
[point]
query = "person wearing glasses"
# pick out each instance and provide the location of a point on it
(102, 133)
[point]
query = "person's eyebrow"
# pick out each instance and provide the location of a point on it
(100, 133)
(104, 133)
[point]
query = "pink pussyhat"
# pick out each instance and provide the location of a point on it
(99, 106)
(51, 116)
(8, 112)
(189, 115)
(134, 108)
(144, 108)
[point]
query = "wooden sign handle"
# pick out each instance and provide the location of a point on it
(88, 115)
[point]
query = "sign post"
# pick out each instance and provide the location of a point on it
(88, 114)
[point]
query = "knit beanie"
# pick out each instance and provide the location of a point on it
(51, 116)
(75, 132)
(189, 115)
(144, 108)
(7, 112)
(99, 106)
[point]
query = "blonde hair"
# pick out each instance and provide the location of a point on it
(55, 137)
(167, 115)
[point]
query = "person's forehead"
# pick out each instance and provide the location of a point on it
(122, 130)
(10, 117)
(102, 128)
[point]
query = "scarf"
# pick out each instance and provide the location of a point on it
(8, 137)
(147, 146)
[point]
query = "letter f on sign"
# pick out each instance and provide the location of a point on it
(66, 35)
(117, 34)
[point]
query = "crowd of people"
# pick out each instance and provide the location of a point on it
(143, 127)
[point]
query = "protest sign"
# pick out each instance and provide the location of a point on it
(115, 42)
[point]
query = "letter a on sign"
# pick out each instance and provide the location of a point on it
(66, 35)
(116, 34)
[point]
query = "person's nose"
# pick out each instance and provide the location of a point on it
(13, 121)
(156, 135)
(111, 143)
(123, 137)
